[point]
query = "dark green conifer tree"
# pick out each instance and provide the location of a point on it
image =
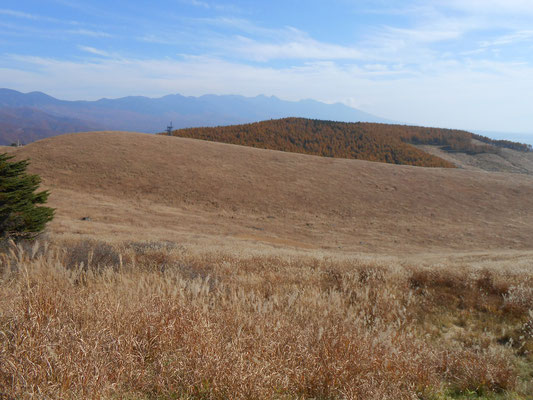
(21, 217)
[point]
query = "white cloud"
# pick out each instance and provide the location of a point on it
(384, 44)
(240, 24)
(487, 96)
(438, 64)
(31, 16)
(87, 32)
(197, 3)
(212, 5)
(299, 47)
(498, 7)
(512, 38)
(462, 16)
(94, 51)
(424, 35)
(151, 38)
(257, 43)
(19, 14)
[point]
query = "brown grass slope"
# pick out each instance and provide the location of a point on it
(184, 189)
(155, 320)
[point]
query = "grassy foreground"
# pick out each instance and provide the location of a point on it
(85, 319)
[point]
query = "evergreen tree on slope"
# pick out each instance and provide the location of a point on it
(21, 217)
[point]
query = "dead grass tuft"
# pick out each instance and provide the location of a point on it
(170, 323)
(91, 254)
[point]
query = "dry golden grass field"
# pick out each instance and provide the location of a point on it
(213, 271)
(136, 186)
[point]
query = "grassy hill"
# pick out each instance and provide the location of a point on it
(363, 141)
(322, 138)
(170, 187)
(212, 271)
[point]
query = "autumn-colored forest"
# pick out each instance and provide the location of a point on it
(365, 141)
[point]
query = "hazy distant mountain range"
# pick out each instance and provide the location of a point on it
(32, 116)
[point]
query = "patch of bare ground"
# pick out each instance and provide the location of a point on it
(505, 160)
(167, 188)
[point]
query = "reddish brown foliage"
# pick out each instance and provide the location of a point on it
(372, 142)
(364, 141)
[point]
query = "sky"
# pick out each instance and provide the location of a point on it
(450, 63)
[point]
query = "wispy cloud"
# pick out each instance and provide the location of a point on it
(238, 24)
(35, 17)
(213, 5)
(87, 32)
(423, 35)
(498, 7)
(19, 14)
(422, 61)
(431, 99)
(248, 41)
(197, 3)
(512, 38)
(153, 38)
(95, 51)
(298, 46)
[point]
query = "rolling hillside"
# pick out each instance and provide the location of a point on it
(174, 257)
(394, 144)
(189, 190)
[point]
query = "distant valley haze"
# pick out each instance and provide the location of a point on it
(26, 117)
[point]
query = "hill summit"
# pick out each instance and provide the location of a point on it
(394, 144)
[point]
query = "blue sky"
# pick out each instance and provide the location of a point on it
(452, 63)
